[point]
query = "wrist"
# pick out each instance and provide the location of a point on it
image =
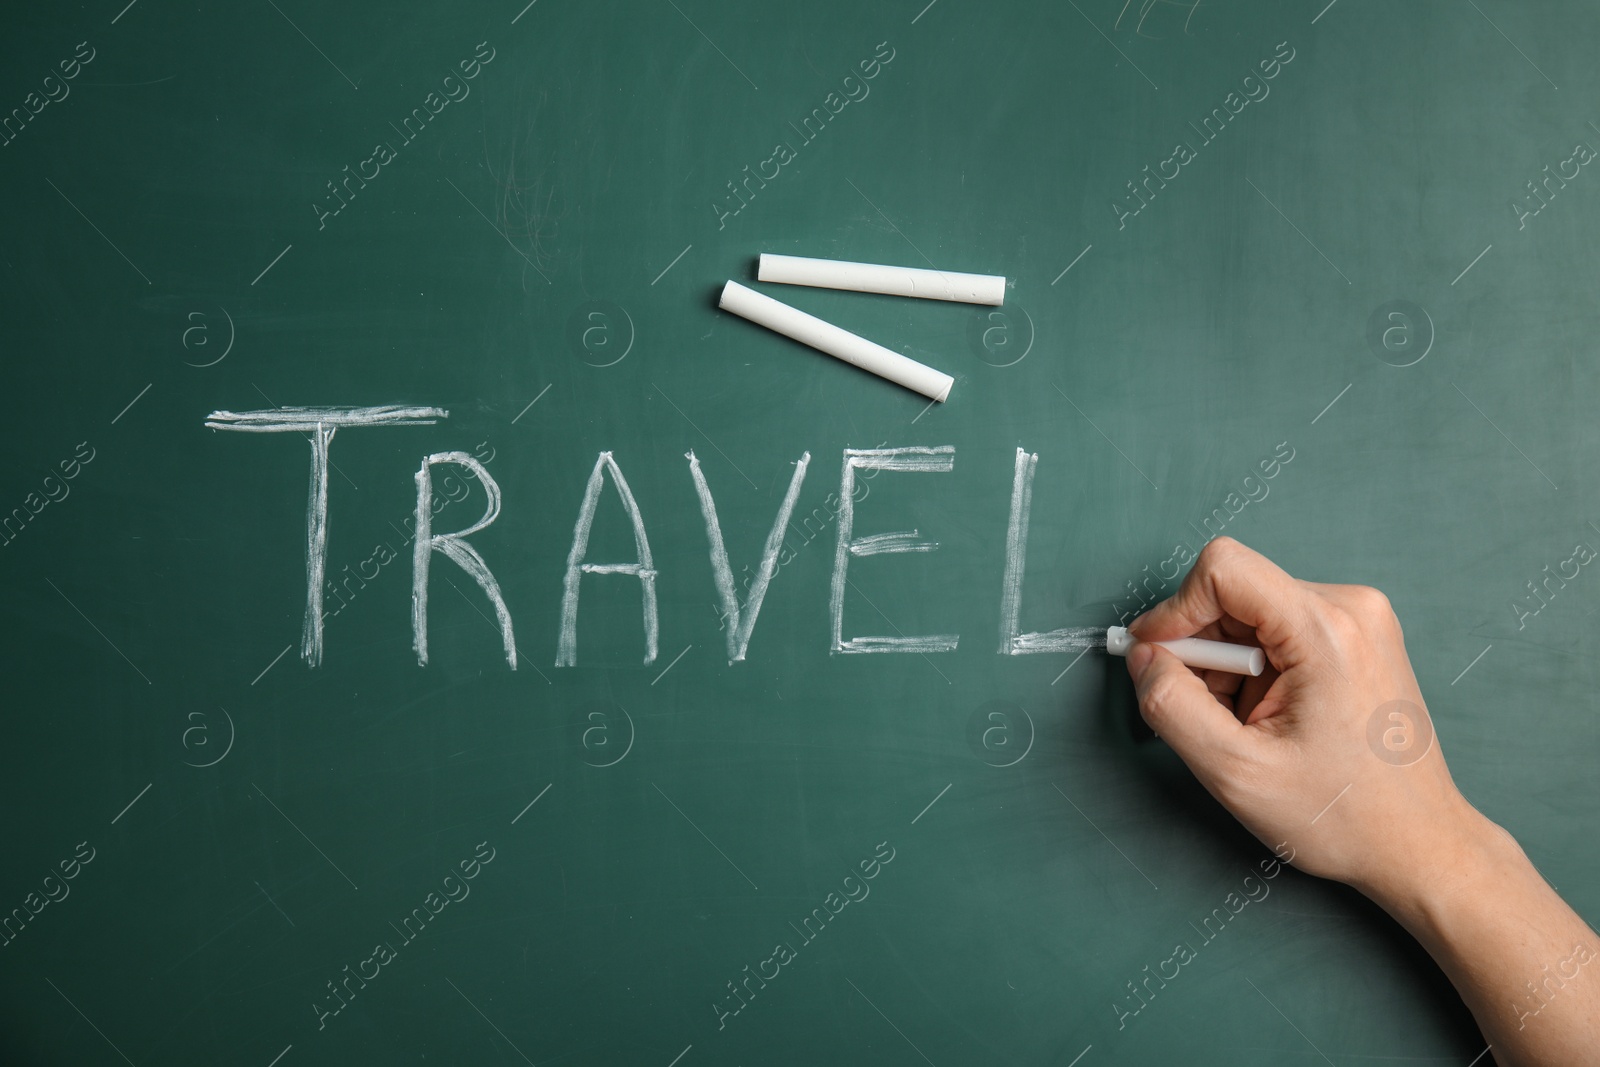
(1469, 853)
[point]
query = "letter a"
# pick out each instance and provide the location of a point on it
(644, 570)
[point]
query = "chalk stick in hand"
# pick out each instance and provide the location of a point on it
(826, 337)
(875, 278)
(1197, 652)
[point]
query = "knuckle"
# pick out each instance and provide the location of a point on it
(1162, 693)
(1371, 604)
(1218, 551)
(1346, 629)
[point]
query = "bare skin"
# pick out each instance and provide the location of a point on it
(1296, 757)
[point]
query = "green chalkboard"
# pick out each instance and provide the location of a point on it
(1320, 276)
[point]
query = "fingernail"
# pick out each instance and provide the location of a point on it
(1133, 627)
(1139, 657)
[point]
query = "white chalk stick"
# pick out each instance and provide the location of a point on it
(875, 278)
(1197, 652)
(826, 337)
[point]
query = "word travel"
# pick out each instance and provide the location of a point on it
(319, 425)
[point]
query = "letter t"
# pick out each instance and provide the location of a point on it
(320, 423)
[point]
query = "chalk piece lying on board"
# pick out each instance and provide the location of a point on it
(826, 337)
(874, 278)
(1197, 652)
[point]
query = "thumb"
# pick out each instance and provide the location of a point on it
(1181, 710)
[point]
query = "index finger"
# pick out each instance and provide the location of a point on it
(1229, 579)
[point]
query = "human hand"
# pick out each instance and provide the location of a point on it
(1330, 753)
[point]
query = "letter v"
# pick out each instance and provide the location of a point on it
(744, 619)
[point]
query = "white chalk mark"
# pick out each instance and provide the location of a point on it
(99, 631)
(455, 548)
(1332, 402)
(131, 803)
(674, 263)
(1063, 640)
(531, 803)
(1484, 1053)
(1513, 44)
(741, 619)
(924, 411)
(920, 644)
(1102, 833)
(1071, 665)
(524, 11)
(1502, 433)
(1287, 1020)
(303, 419)
(534, 401)
(273, 664)
(501, 232)
(316, 545)
(286, 919)
(1324, 11)
(132, 402)
(702, 833)
(335, 466)
(1473, 664)
(313, 44)
(713, 44)
(903, 643)
(121, 13)
(101, 232)
(490, 1021)
(931, 803)
(274, 263)
(702, 433)
(890, 1021)
(680, 1056)
(924, 11)
(1474, 263)
(1299, 231)
(285, 1052)
(1102, 433)
(673, 664)
(1113, 44)
(1074, 263)
(937, 460)
(1331, 803)
(302, 833)
(90, 1021)
(888, 544)
(1085, 1052)
(323, 422)
(644, 569)
(1012, 641)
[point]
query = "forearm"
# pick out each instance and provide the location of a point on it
(1524, 962)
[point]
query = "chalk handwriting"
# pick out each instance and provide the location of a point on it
(320, 422)
(644, 569)
(936, 460)
(743, 620)
(455, 547)
(1012, 641)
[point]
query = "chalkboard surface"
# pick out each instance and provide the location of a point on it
(1319, 276)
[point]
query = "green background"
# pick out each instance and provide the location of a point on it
(143, 215)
